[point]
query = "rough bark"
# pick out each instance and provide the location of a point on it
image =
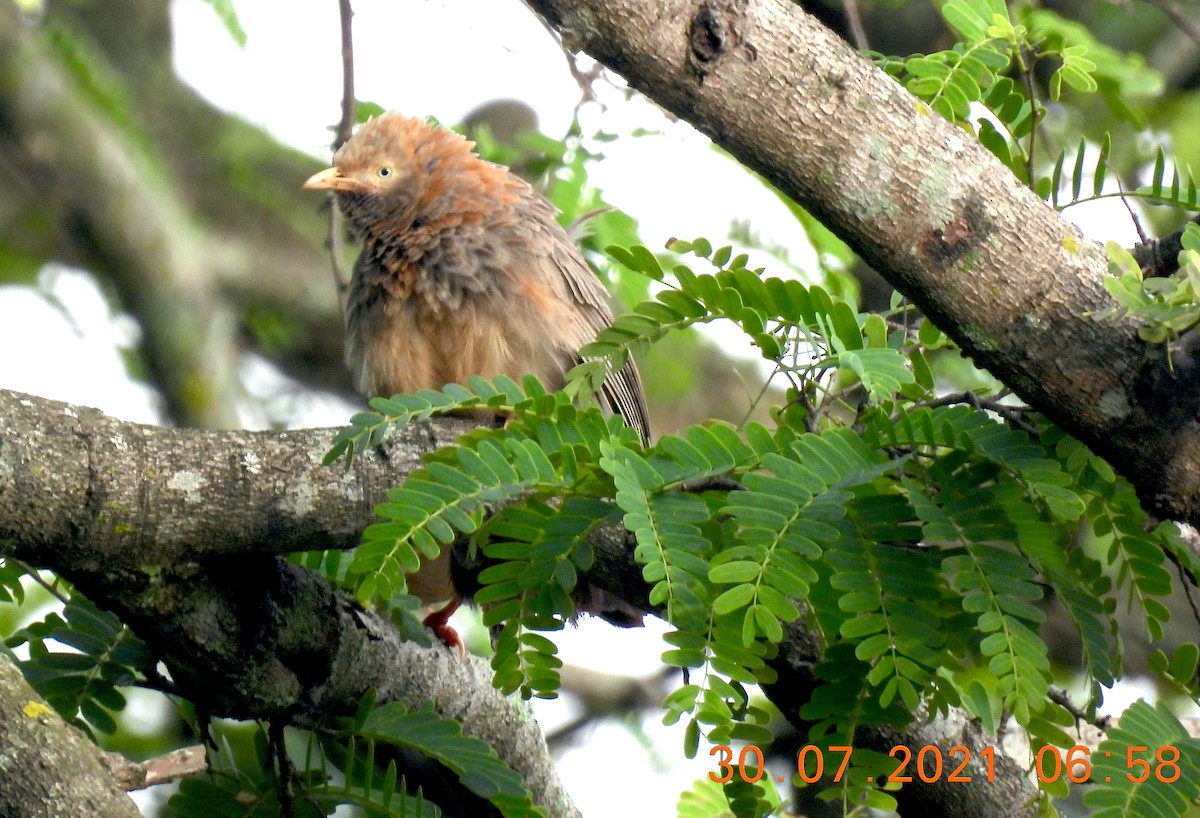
(48, 768)
(151, 524)
(928, 207)
(177, 532)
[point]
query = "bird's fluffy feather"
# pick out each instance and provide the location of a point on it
(464, 271)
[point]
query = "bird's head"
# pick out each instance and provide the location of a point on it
(381, 172)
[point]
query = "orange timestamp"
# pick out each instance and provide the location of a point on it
(811, 764)
(931, 765)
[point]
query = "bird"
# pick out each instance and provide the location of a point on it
(464, 270)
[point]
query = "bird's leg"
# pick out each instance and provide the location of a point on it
(204, 727)
(439, 623)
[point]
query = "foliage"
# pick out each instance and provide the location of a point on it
(442, 740)
(243, 783)
(922, 539)
(1148, 766)
(915, 537)
(11, 589)
(82, 683)
(732, 799)
(1165, 307)
(228, 16)
(986, 84)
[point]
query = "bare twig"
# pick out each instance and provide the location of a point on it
(1027, 74)
(344, 129)
(854, 18)
(757, 399)
(1015, 415)
(1180, 19)
(1160, 257)
(1137, 223)
(36, 577)
(584, 79)
(1187, 579)
(349, 101)
(1063, 699)
(285, 782)
(174, 765)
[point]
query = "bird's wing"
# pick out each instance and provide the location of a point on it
(621, 391)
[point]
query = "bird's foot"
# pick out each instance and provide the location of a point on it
(439, 623)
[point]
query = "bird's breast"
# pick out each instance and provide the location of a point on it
(403, 338)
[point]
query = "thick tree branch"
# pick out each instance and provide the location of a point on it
(50, 768)
(176, 530)
(141, 519)
(1160, 257)
(928, 207)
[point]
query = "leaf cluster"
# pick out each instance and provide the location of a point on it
(78, 661)
(989, 82)
(922, 541)
(916, 538)
(1165, 307)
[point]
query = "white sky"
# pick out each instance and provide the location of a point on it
(441, 58)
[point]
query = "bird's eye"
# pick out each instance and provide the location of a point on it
(384, 172)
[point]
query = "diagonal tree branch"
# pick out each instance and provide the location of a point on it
(50, 768)
(927, 206)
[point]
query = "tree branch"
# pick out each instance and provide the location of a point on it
(244, 633)
(177, 532)
(49, 767)
(927, 206)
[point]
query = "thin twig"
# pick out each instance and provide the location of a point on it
(754, 402)
(1176, 14)
(344, 130)
(156, 681)
(1187, 581)
(36, 577)
(1160, 257)
(340, 281)
(349, 101)
(285, 782)
(1027, 75)
(1063, 700)
(1137, 223)
(857, 32)
(584, 79)
(1012, 414)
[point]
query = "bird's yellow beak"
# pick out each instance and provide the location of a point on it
(328, 179)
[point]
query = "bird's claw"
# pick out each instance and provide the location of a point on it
(439, 623)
